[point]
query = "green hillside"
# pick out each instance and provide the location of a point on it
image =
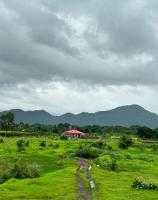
(57, 165)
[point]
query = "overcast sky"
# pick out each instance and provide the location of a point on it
(78, 56)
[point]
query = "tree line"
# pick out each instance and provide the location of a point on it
(7, 123)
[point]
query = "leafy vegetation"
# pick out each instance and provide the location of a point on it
(40, 160)
(113, 169)
(9, 128)
(112, 165)
(98, 144)
(22, 144)
(63, 137)
(86, 151)
(22, 170)
(1, 140)
(42, 144)
(125, 142)
(7, 122)
(138, 184)
(147, 133)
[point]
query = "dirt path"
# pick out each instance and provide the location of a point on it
(84, 193)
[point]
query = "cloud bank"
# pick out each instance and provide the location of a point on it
(80, 47)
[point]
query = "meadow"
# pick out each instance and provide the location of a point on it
(113, 169)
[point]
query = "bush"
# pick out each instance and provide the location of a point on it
(23, 170)
(155, 147)
(138, 184)
(128, 156)
(43, 144)
(112, 165)
(5, 169)
(63, 137)
(115, 156)
(4, 178)
(98, 144)
(125, 142)
(22, 144)
(20, 170)
(27, 143)
(55, 146)
(86, 151)
(109, 147)
(50, 145)
(1, 140)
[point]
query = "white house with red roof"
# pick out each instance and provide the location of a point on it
(74, 134)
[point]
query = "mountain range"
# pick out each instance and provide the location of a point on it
(123, 116)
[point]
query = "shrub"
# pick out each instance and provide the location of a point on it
(20, 170)
(55, 146)
(42, 144)
(5, 169)
(128, 156)
(109, 147)
(87, 152)
(115, 156)
(63, 137)
(1, 140)
(4, 178)
(155, 147)
(27, 143)
(8, 148)
(125, 142)
(21, 144)
(98, 144)
(23, 170)
(112, 165)
(138, 184)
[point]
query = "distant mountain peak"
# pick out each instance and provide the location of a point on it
(124, 116)
(129, 107)
(68, 114)
(136, 106)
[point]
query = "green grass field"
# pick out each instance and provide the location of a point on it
(57, 166)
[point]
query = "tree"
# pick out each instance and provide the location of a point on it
(7, 122)
(147, 133)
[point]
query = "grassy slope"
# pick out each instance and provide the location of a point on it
(117, 186)
(58, 181)
(139, 161)
(56, 167)
(58, 185)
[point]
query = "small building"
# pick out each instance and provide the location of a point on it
(73, 134)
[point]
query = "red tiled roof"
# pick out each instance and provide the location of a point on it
(73, 132)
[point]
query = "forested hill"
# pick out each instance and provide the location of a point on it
(123, 116)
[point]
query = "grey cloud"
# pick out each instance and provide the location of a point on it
(128, 26)
(41, 25)
(37, 44)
